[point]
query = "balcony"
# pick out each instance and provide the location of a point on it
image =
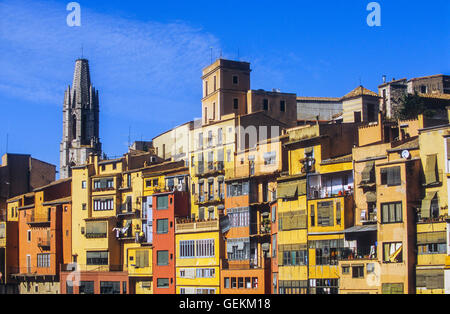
(44, 243)
(208, 200)
(91, 268)
(189, 226)
(37, 220)
(31, 272)
(368, 216)
(213, 168)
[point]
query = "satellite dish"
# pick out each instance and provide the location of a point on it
(406, 154)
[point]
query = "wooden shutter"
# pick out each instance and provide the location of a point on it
(430, 169)
(425, 210)
(366, 173)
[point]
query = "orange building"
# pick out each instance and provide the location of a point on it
(167, 207)
(41, 238)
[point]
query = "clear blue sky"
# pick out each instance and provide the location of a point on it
(146, 57)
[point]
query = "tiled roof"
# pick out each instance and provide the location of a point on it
(436, 96)
(52, 184)
(336, 160)
(360, 91)
(336, 99)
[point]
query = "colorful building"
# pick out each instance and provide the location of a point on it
(41, 238)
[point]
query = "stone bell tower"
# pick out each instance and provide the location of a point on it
(80, 121)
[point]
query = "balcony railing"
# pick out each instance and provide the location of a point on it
(32, 219)
(210, 169)
(91, 268)
(188, 225)
(32, 270)
(359, 253)
(96, 235)
(44, 243)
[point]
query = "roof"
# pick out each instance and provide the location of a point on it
(347, 158)
(426, 77)
(360, 91)
(435, 96)
(334, 99)
(52, 184)
(366, 228)
(63, 200)
(413, 144)
(19, 197)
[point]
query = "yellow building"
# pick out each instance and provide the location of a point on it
(199, 250)
(433, 211)
(320, 189)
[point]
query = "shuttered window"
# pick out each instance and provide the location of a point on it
(391, 213)
(392, 288)
(162, 202)
(97, 229)
(142, 259)
(431, 173)
(325, 214)
(292, 220)
(430, 279)
(162, 258)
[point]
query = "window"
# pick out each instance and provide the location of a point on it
(163, 258)
(283, 106)
(200, 140)
(103, 204)
(97, 258)
(84, 206)
(162, 226)
(295, 258)
(227, 283)
(239, 217)
(96, 229)
(391, 213)
(124, 287)
(162, 202)
(104, 184)
(235, 80)
(86, 287)
(345, 270)
(220, 138)
(238, 189)
(43, 260)
(210, 139)
(233, 283)
(206, 273)
(236, 103)
(69, 287)
(328, 252)
(142, 259)
(266, 104)
(240, 283)
(148, 183)
(313, 216)
(270, 158)
(391, 176)
(110, 287)
(325, 213)
(29, 235)
(83, 185)
(162, 283)
(392, 288)
(238, 249)
(392, 252)
(205, 248)
(358, 272)
(432, 248)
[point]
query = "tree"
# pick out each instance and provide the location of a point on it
(412, 105)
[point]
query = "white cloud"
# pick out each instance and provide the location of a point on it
(140, 68)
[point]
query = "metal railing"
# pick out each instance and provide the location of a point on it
(90, 268)
(44, 242)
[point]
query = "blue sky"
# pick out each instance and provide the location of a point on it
(146, 57)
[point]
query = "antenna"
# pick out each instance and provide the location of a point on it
(129, 137)
(82, 51)
(211, 54)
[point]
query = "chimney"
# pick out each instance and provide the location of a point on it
(384, 79)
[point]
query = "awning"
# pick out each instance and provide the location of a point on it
(430, 169)
(368, 228)
(309, 150)
(426, 204)
(287, 190)
(371, 197)
(367, 171)
(431, 237)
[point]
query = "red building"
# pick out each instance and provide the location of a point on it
(168, 206)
